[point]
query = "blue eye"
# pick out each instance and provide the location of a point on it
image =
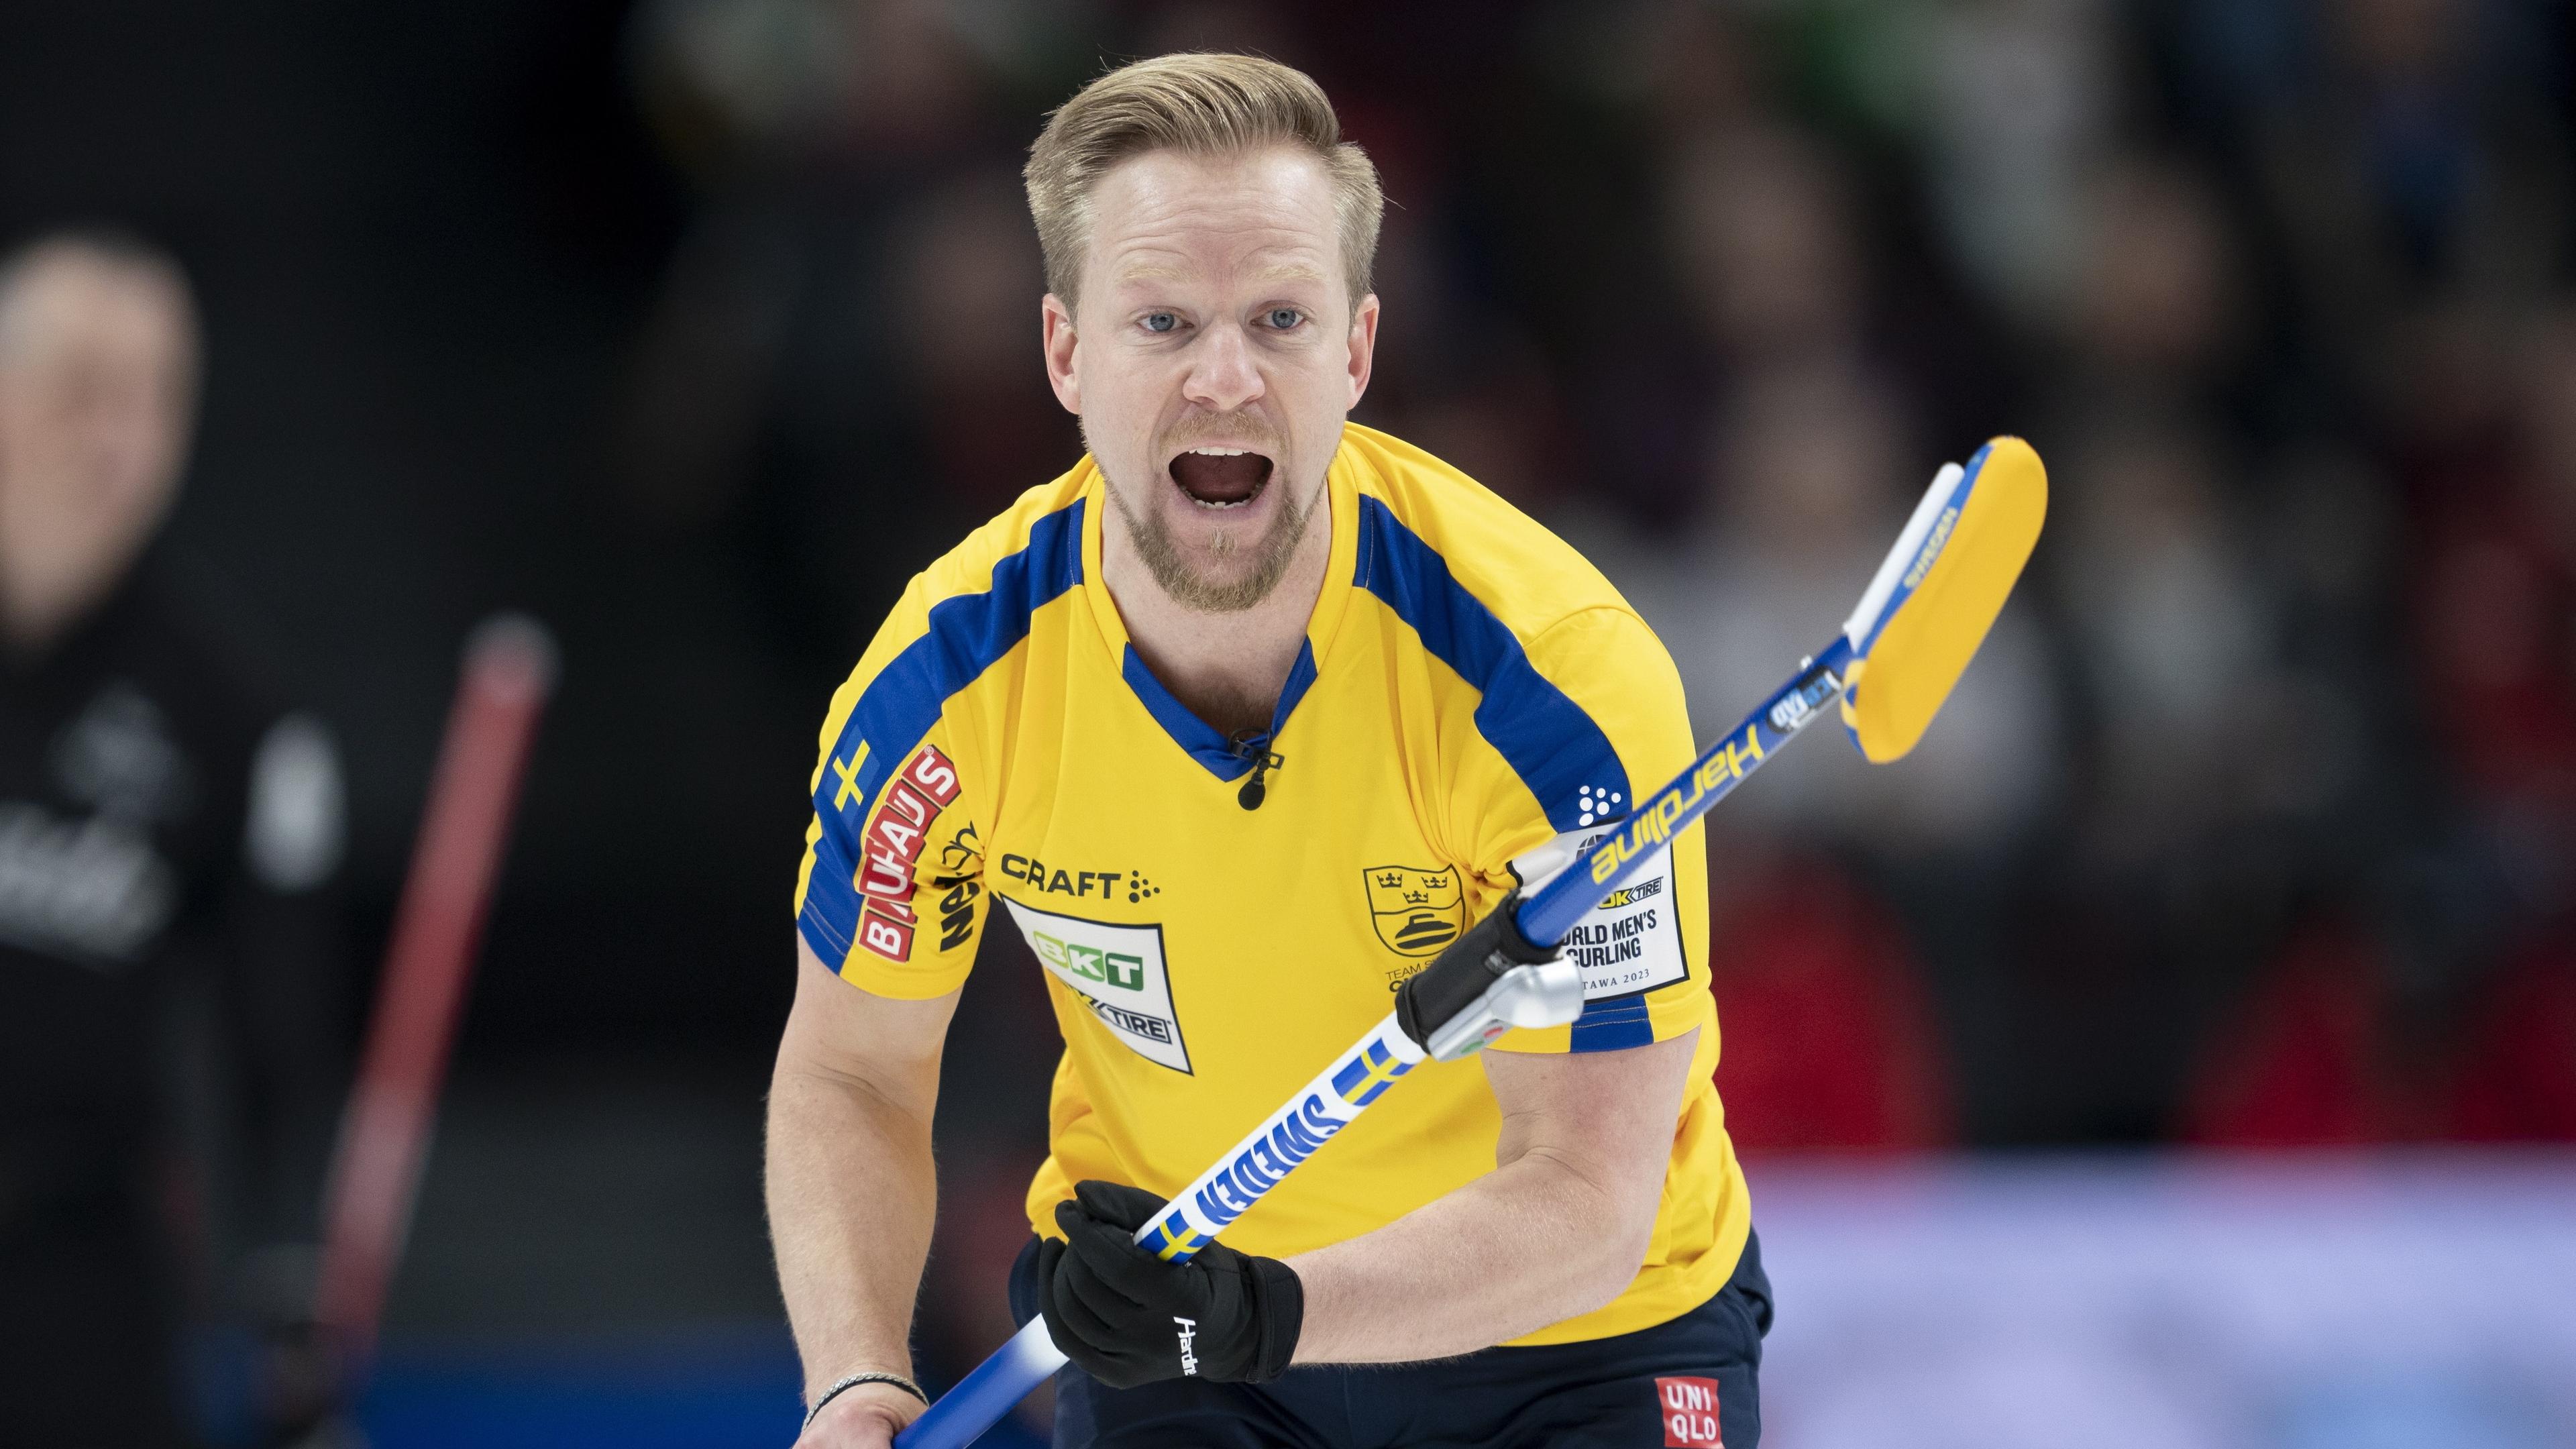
(1161, 322)
(1285, 318)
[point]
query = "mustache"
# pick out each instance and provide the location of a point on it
(1240, 428)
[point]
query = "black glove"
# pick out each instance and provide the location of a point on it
(1128, 1317)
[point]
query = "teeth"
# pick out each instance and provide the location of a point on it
(1203, 503)
(1218, 452)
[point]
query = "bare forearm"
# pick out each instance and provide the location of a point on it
(852, 1196)
(1510, 1253)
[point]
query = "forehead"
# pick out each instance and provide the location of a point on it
(1172, 215)
(74, 308)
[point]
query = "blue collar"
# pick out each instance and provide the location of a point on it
(1227, 759)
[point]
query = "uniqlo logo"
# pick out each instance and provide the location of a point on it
(1689, 1407)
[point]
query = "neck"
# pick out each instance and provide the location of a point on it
(1227, 668)
(31, 619)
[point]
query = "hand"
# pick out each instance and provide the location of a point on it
(862, 1416)
(1127, 1317)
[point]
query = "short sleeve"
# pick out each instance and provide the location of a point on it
(1643, 951)
(890, 894)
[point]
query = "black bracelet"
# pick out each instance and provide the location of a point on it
(854, 1380)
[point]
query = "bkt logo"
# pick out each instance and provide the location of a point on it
(1109, 968)
(1630, 895)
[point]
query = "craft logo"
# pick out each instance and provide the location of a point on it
(906, 810)
(1416, 911)
(1689, 1409)
(1061, 880)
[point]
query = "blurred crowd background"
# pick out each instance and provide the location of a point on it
(694, 327)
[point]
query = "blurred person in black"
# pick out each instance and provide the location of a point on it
(169, 836)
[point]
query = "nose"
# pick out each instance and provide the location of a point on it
(1222, 374)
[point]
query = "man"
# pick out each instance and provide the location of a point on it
(1243, 719)
(167, 837)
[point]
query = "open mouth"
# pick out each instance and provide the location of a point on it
(1220, 478)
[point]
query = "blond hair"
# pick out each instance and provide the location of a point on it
(1201, 105)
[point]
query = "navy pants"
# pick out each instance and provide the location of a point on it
(1690, 1382)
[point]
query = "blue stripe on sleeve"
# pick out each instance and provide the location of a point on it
(830, 920)
(967, 635)
(1612, 1025)
(1546, 737)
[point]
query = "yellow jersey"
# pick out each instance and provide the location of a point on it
(1473, 699)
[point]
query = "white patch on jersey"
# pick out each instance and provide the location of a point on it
(93, 888)
(1118, 972)
(1630, 943)
(116, 756)
(298, 807)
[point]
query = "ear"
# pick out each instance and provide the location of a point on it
(1055, 332)
(1363, 343)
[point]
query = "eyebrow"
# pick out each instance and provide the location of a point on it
(1289, 272)
(1277, 272)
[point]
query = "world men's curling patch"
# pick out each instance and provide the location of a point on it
(1631, 941)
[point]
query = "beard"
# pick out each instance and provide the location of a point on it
(1267, 557)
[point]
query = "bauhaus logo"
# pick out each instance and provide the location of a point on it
(906, 810)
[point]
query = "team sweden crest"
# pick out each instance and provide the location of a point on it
(1416, 911)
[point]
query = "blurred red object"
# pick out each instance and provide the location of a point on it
(2494, 605)
(2518, 1068)
(438, 932)
(2299, 1064)
(2321, 1055)
(1829, 1040)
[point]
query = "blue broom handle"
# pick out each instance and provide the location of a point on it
(1189, 1222)
(1554, 908)
(1337, 1095)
